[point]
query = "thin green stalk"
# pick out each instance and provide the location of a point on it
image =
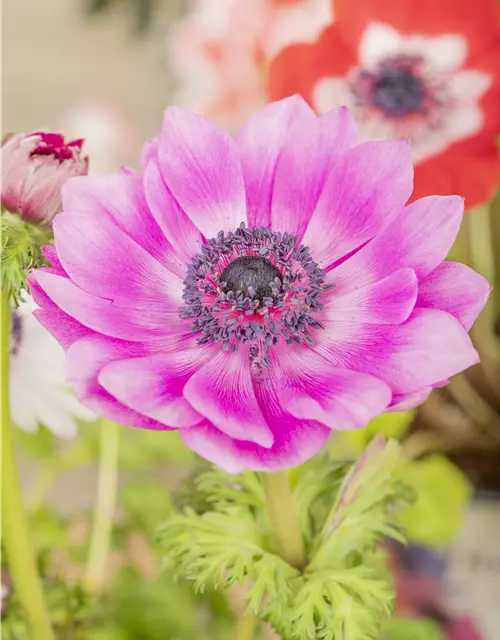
(480, 241)
(246, 624)
(285, 523)
(100, 541)
(495, 239)
(14, 525)
(481, 252)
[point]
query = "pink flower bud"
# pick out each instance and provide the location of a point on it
(34, 168)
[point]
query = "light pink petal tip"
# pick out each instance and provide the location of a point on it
(298, 441)
(116, 319)
(222, 390)
(85, 360)
(429, 347)
(420, 237)
(457, 289)
(90, 245)
(153, 385)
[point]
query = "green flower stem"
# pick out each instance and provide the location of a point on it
(100, 541)
(284, 520)
(246, 625)
(473, 246)
(495, 238)
(14, 526)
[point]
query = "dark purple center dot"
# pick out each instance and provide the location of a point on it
(252, 275)
(398, 92)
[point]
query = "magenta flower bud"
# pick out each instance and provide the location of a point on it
(34, 168)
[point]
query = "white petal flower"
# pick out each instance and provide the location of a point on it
(38, 389)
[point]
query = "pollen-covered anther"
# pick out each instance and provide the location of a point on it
(253, 286)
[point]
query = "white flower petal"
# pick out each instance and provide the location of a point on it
(443, 53)
(330, 93)
(469, 85)
(295, 22)
(378, 42)
(39, 392)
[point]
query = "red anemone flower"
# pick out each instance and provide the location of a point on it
(428, 70)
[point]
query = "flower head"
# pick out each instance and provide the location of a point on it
(257, 293)
(39, 393)
(427, 71)
(34, 168)
(218, 52)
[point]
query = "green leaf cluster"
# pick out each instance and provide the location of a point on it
(22, 244)
(440, 489)
(344, 593)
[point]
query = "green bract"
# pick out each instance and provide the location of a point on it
(22, 244)
(345, 511)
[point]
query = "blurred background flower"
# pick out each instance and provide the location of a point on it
(426, 70)
(109, 135)
(34, 168)
(39, 392)
(219, 52)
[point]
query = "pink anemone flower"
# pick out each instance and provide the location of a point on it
(257, 293)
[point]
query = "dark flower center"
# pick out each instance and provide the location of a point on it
(252, 275)
(254, 287)
(54, 144)
(398, 87)
(398, 91)
(17, 332)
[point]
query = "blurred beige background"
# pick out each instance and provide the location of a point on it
(55, 58)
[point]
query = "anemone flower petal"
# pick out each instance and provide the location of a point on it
(200, 166)
(457, 289)
(429, 347)
(89, 245)
(222, 391)
(185, 238)
(420, 238)
(153, 385)
(260, 143)
(366, 187)
(303, 165)
(298, 441)
(338, 398)
(85, 360)
(121, 197)
(388, 301)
